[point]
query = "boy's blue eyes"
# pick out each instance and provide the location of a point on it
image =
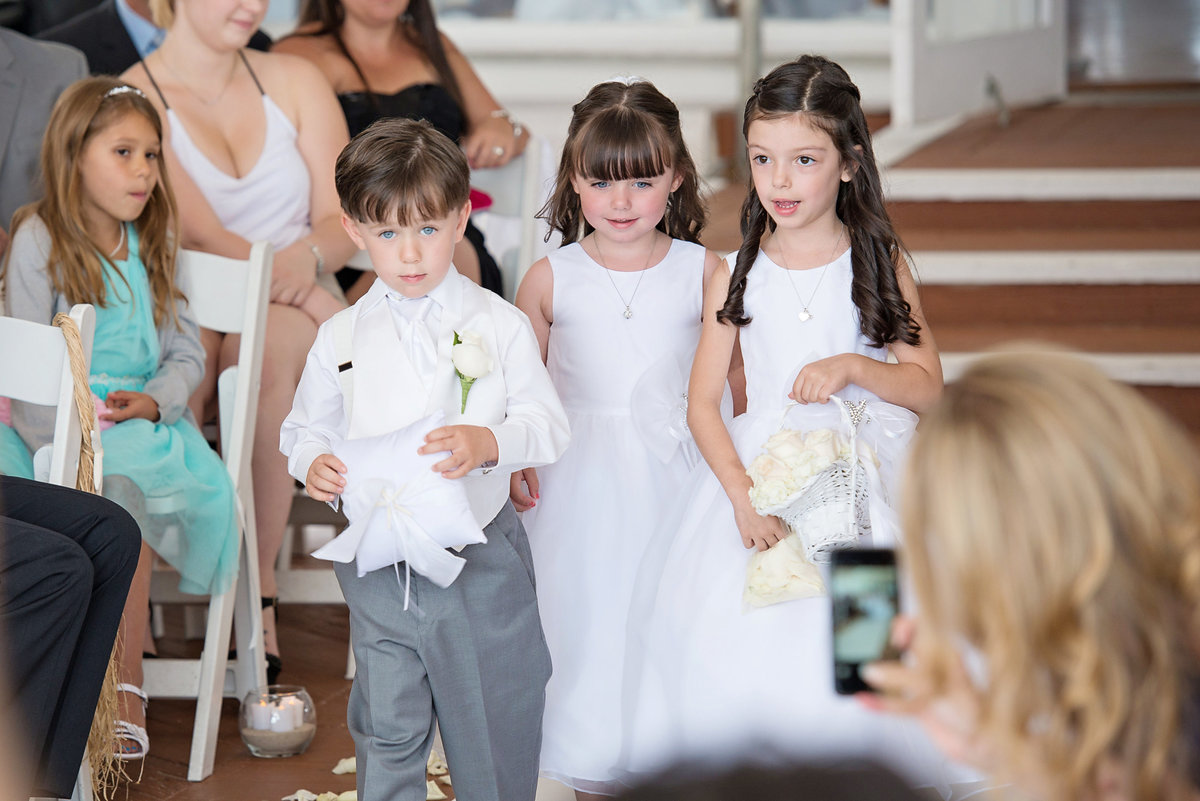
(425, 230)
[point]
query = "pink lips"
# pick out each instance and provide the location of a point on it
(622, 224)
(786, 207)
(412, 279)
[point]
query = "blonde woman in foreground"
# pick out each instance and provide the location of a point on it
(1053, 529)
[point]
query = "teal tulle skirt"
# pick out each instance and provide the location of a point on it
(177, 488)
(14, 456)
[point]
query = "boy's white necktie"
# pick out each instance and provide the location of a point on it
(418, 341)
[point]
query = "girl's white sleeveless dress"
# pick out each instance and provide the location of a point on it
(709, 679)
(602, 501)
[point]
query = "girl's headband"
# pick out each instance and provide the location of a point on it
(122, 89)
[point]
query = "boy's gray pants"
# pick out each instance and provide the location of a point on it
(472, 655)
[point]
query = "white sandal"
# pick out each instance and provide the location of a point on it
(135, 742)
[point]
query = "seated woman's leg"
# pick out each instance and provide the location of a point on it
(290, 334)
(203, 402)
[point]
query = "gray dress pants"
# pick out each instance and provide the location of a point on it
(471, 655)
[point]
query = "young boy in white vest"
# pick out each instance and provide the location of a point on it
(471, 653)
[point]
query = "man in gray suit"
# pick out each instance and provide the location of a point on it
(32, 75)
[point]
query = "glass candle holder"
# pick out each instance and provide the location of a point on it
(278, 720)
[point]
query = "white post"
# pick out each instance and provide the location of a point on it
(750, 67)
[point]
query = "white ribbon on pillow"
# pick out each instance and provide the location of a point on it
(400, 510)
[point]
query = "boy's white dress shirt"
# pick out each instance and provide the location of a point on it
(516, 401)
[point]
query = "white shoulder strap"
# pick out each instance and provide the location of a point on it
(343, 351)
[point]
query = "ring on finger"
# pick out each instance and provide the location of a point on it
(498, 151)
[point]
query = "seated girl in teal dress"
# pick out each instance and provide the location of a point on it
(104, 235)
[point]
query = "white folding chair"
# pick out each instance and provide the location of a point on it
(35, 367)
(518, 190)
(213, 283)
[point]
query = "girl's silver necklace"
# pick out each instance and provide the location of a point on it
(805, 315)
(120, 242)
(628, 304)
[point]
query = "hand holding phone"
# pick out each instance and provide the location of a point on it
(864, 588)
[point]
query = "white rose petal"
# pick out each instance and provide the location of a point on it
(435, 765)
(471, 360)
(433, 792)
(349, 795)
(301, 795)
(470, 338)
(346, 765)
(781, 573)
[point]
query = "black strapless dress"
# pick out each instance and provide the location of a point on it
(421, 101)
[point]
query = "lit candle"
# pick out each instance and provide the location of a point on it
(288, 714)
(260, 715)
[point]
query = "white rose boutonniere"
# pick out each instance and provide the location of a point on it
(471, 361)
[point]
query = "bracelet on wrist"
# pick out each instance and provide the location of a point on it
(316, 251)
(506, 115)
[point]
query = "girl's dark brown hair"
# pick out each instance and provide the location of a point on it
(418, 24)
(822, 91)
(76, 264)
(617, 133)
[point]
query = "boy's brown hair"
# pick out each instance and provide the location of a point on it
(404, 170)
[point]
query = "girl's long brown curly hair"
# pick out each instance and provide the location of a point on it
(821, 90)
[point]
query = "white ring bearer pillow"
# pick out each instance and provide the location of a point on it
(400, 510)
(826, 474)
(659, 408)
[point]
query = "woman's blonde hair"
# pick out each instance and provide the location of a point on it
(76, 265)
(1053, 524)
(163, 12)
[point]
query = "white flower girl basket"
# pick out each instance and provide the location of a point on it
(824, 482)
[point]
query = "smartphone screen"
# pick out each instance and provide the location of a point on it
(865, 594)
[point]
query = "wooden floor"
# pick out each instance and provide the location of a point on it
(1148, 318)
(314, 641)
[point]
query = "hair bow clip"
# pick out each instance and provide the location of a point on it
(628, 80)
(122, 89)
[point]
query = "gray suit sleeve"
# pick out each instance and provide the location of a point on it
(29, 295)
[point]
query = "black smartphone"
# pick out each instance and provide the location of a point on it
(864, 589)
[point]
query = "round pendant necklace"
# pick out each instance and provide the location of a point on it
(628, 314)
(805, 315)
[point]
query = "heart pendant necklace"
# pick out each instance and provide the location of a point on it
(805, 315)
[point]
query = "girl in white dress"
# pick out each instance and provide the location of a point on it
(819, 293)
(617, 313)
